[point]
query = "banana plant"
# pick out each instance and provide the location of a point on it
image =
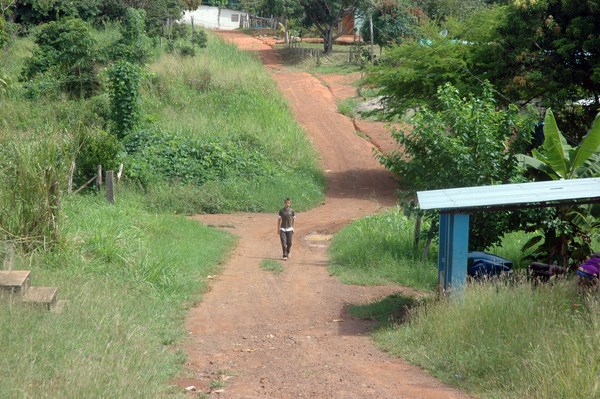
(558, 160)
(565, 239)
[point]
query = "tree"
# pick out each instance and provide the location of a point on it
(133, 45)
(327, 15)
(565, 238)
(392, 22)
(467, 142)
(442, 9)
(65, 54)
(409, 74)
(284, 9)
(35, 12)
(548, 51)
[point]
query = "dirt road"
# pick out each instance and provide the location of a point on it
(258, 335)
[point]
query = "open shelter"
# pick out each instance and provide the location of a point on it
(456, 204)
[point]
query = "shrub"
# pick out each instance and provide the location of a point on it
(468, 142)
(66, 54)
(134, 45)
(194, 161)
(124, 92)
(199, 38)
(186, 50)
(96, 147)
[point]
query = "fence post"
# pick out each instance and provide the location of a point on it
(110, 193)
(99, 177)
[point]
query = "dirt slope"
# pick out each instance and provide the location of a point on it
(289, 336)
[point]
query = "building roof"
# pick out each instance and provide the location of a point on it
(502, 196)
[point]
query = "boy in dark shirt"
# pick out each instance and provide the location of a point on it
(285, 227)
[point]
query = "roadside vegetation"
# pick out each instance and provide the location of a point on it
(199, 127)
(501, 339)
(195, 134)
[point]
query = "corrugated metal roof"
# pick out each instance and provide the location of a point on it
(510, 194)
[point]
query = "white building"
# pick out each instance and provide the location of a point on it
(209, 17)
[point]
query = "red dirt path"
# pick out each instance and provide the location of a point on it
(290, 336)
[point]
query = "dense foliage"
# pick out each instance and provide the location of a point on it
(64, 58)
(533, 52)
(392, 22)
(565, 237)
(467, 142)
(124, 93)
(178, 158)
(548, 51)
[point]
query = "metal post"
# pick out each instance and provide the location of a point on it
(453, 252)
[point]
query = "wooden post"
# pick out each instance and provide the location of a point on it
(54, 197)
(110, 194)
(99, 177)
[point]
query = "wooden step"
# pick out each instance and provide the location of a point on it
(44, 297)
(15, 281)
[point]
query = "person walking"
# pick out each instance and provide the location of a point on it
(285, 227)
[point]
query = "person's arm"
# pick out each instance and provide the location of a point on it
(278, 223)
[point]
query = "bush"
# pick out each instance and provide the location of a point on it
(96, 147)
(65, 54)
(186, 50)
(134, 45)
(178, 158)
(199, 38)
(124, 92)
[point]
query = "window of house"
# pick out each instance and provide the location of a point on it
(235, 17)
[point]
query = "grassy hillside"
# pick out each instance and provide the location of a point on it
(130, 270)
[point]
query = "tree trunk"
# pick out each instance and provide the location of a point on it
(417, 234)
(328, 40)
(372, 41)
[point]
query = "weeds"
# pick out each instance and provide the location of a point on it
(272, 266)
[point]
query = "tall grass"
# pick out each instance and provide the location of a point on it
(506, 341)
(30, 171)
(225, 93)
(128, 277)
(498, 340)
(378, 249)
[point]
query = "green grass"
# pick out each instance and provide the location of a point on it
(129, 277)
(227, 93)
(502, 340)
(506, 341)
(378, 250)
(347, 107)
(272, 266)
(130, 271)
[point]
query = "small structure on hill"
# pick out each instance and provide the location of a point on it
(456, 204)
(210, 17)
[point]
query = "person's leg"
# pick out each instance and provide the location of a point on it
(283, 239)
(289, 235)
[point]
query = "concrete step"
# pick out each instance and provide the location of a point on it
(15, 281)
(45, 297)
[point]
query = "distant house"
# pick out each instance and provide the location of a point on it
(209, 17)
